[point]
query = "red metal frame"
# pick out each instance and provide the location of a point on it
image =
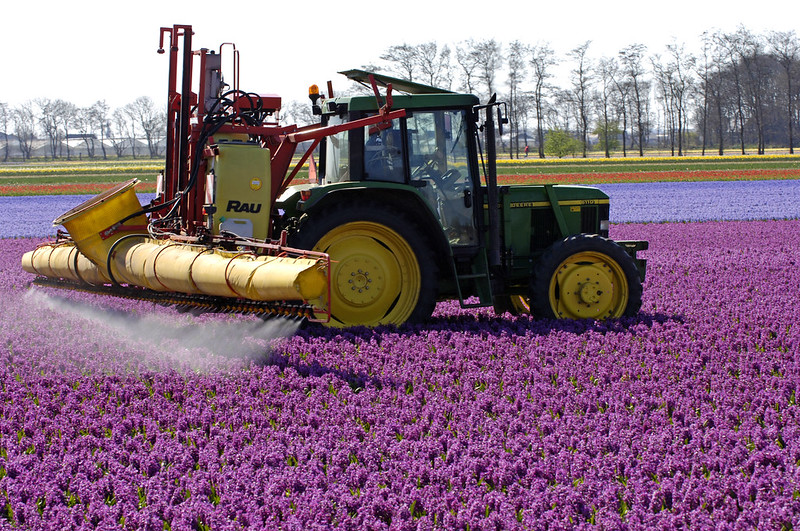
(185, 129)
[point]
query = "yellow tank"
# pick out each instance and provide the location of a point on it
(92, 223)
(106, 250)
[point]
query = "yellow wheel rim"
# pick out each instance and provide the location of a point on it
(519, 304)
(588, 285)
(375, 276)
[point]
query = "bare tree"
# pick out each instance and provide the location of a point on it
(83, 124)
(5, 118)
(664, 74)
(581, 89)
(98, 118)
(632, 58)
(523, 113)
(704, 87)
(559, 114)
(785, 48)
(623, 89)
(489, 55)
(299, 112)
(685, 64)
(607, 124)
(402, 60)
(151, 121)
(542, 59)
(715, 82)
(66, 116)
(751, 54)
(516, 75)
(729, 43)
(131, 126)
(119, 129)
(467, 60)
(49, 119)
(434, 64)
(24, 127)
(675, 83)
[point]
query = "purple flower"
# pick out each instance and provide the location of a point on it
(117, 412)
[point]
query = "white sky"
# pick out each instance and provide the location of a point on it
(85, 50)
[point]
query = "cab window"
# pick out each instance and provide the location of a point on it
(383, 152)
(438, 156)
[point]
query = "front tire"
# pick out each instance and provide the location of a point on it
(382, 270)
(586, 276)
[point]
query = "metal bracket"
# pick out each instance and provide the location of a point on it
(553, 198)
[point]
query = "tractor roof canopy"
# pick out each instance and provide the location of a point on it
(416, 95)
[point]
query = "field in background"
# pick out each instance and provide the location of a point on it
(123, 413)
(76, 177)
(87, 177)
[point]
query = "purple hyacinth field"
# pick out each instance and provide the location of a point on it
(119, 414)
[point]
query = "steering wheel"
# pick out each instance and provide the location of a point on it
(428, 168)
(431, 169)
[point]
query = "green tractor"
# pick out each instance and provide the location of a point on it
(405, 211)
(411, 213)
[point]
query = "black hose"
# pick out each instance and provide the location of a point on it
(111, 252)
(221, 112)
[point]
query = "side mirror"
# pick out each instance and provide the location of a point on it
(500, 121)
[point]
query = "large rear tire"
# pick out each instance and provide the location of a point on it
(382, 269)
(586, 276)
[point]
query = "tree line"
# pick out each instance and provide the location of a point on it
(100, 131)
(740, 91)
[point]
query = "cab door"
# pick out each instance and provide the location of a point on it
(439, 157)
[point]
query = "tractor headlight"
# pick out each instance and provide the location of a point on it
(604, 227)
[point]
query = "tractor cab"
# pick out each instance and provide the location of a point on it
(402, 214)
(431, 151)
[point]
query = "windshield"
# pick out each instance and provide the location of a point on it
(439, 138)
(438, 157)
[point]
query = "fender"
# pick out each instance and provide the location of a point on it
(404, 197)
